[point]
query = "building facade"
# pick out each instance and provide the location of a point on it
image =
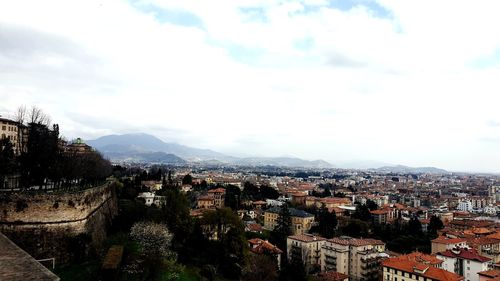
(358, 258)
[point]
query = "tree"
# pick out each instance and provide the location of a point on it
(415, 227)
(251, 191)
(435, 224)
(362, 213)
(155, 241)
(356, 228)
(232, 197)
(327, 222)
(371, 205)
(7, 159)
(283, 228)
(187, 179)
(268, 192)
(261, 267)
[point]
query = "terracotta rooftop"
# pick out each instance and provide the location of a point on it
(422, 258)
(379, 212)
(492, 273)
(330, 276)
(355, 241)
(421, 269)
(446, 240)
(260, 246)
(464, 254)
(306, 238)
(217, 190)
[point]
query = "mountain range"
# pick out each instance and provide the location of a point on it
(145, 148)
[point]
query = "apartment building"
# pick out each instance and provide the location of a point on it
(16, 133)
(358, 258)
(306, 247)
(402, 269)
(443, 243)
(301, 220)
(465, 262)
(218, 195)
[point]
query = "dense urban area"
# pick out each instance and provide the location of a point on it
(69, 213)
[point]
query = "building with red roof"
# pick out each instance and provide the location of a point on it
(394, 269)
(465, 262)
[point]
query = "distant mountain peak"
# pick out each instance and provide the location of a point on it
(139, 146)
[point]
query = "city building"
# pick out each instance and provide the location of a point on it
(218, 195)
(358, 258)
(263, 247)
(305, 247)
(489, 275)
(301, 220)
(401, 269)
(443, 243)
(465, 262)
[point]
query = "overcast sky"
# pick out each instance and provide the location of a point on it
(403, 82)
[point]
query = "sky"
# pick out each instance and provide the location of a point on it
(401, 82)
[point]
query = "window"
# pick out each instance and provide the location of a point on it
(3, 128)
(468, 262)
(388, 277)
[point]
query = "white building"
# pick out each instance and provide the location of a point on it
(465, 206)
(465, 262)
(148, 197)
(305, 247)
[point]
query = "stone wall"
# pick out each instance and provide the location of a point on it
(67, 226)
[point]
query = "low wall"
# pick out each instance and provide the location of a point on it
(67, 226)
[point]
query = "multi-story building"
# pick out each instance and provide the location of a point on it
(465, 262)
(15, 132)
(263, 247)
(305, 247)
(443, 243)
(358, 258)
(218, 195)
(301, 220)
(402, 269)
(464, 205)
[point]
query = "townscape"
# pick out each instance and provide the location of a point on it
(84, 217)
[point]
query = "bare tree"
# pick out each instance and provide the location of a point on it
(21, 114)
(37, 116)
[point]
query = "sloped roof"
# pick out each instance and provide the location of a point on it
(16, 264)
(421, 269)
(464, 254)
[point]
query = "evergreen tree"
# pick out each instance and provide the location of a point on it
(282, 230)
(434, 225)
(415, 227)
(327, 222)
(7, 158)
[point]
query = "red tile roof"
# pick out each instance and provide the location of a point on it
(421, 269)
(355, 241)
(306, 238)
(446, 240)
(217, 190)
(464, 254)
(330, 276)
(493, 273)
(422, 258)
(260, 246)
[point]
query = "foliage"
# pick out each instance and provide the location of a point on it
(327, 222)
(187, 179)
(355, 228)
(371, 205)
(154, 239)
(261, 267)
(7, 163)
(232, 197)
(283, 229)
(362, 213)
(435, 224)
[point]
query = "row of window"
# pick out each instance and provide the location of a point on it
(9, 128)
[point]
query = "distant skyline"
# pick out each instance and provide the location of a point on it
(402, 82)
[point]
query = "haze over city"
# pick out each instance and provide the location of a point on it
(413, 83)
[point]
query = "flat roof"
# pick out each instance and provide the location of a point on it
(16, 264)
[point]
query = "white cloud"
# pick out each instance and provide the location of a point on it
(293, 78)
